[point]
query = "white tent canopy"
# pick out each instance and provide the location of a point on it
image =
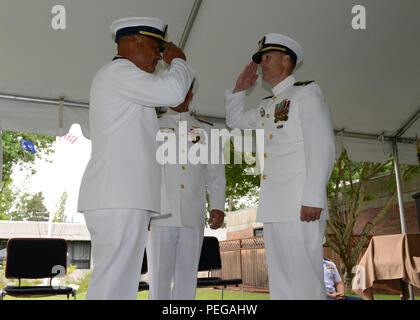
(369, 77)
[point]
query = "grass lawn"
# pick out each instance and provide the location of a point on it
(204, 294)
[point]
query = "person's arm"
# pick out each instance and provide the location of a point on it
(236, 115)
(318, 138)
(341, 289)
(216, 185)
(149, 90)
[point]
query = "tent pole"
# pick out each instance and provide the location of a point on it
(190, 22)
(72, 104)
(400, 198)
(399, 186)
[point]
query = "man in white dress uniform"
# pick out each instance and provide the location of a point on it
(120, 188)
(176, 237)
(298, 160)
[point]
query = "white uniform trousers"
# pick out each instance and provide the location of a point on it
(118, 238)
(295, 260)
(173, 255)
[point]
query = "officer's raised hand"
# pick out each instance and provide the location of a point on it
(171, 52)
(247, 78)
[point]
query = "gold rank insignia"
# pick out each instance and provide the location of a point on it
(303, 83)
(281, 111)
(261, 43)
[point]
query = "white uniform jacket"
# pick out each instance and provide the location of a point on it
(298, 147)
(184, 184)
(122, 171)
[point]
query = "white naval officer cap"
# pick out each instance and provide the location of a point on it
(151, 27)
(279, 42)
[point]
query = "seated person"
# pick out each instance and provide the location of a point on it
(334, 284)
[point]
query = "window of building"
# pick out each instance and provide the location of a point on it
(258, 232)
(79, 254)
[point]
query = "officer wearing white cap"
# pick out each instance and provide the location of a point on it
(298, 160)
(120, 188)
(176, 237)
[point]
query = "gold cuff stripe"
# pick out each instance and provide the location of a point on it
(151, 34)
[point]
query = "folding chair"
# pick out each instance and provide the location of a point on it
(36, 259)
(143, 285)
(210, 260)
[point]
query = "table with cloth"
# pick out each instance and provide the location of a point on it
(393, 260)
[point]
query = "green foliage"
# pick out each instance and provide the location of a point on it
(240, 184)
(14, 203)
(59, 215)
(13, 153)
(30, 208)
(83, 283)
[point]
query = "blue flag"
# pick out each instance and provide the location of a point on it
(27, 145)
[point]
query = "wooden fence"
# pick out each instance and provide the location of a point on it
(245, 258)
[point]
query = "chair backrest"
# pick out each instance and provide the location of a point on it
(210, 255)
(29, 258)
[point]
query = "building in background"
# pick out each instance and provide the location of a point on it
(77, 236)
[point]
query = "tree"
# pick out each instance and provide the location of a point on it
(347, 192)
(59, 215)
(13, 155)
(241, 186)
(32, 208)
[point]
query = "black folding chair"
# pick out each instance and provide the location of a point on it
(36, 259)
(143, 285)
(210, 260)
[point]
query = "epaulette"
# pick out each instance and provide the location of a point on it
(269, 97)
(204, 121)
(303, 83)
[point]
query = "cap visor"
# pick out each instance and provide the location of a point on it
(257, 57)
(162, 45)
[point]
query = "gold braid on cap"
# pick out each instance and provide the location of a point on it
(261, 43)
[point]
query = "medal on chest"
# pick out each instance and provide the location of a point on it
(281, 111)
(197, 134)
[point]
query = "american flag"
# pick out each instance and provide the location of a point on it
(70, 138)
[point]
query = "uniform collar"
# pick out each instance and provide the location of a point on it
(283, 85)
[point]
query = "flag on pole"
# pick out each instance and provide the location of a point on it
(27, 145)
(69, 138)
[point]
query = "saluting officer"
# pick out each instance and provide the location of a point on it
(176, 237)
(120, 188)
(298, 160)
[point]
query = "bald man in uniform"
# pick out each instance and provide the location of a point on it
(120, 189)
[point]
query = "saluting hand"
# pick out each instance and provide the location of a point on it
(309, 214)
(171, 52)
(216, 219)
(247, 78)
